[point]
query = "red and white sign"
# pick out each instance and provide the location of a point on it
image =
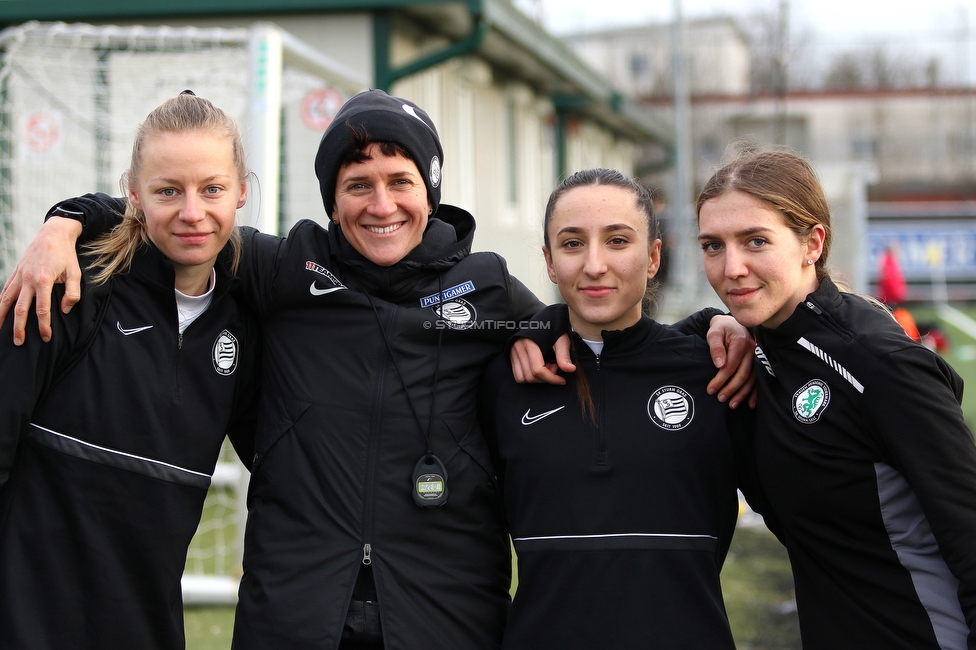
(42, 130)
(320, 106)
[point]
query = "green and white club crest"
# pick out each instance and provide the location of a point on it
(810, 401)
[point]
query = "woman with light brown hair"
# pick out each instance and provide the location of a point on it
(860, 445)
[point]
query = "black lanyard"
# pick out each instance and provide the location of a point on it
(429, 488)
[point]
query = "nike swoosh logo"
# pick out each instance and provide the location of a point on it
(133, 330)
(532, 419)
(315, 291)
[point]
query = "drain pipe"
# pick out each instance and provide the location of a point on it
(565, 106)
(385, 75)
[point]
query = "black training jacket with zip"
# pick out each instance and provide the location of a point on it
(621, 523)
(103, 477)
(338, 435)
(343, 425)
(870, 471)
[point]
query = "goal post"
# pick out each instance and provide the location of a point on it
(71, 99)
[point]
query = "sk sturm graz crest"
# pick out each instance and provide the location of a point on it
(671, 408)
(225, 353)
(459, 314)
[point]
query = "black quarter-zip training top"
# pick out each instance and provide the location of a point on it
(103, 477)
(621, 524)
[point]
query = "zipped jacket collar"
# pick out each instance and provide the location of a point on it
(625, 341)
(151, 267)
(817, 305)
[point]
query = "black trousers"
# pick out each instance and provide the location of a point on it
(362, 630)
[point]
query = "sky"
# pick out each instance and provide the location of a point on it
(832, 18)
(913, 29)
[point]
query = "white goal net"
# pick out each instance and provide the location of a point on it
(71, 98)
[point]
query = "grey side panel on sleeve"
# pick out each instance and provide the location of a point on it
(917, 550)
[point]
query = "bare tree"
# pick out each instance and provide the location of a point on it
(879, 68)
(772, 68)
(845, 72)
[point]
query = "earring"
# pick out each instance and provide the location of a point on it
(809, 262)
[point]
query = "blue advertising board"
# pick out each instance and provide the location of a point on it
(921, 247)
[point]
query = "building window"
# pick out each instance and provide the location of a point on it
(638, 64)
(709, 148)
(864, 148)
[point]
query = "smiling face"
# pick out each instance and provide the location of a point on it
(381, 205)
(754, 262)
(601, 257)
(189, 190)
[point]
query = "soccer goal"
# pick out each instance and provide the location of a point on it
(71, 99)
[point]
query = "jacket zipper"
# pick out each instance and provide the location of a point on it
(599, 401)
(372, 451)
(179, 345)
(217, 297)
(177, 391)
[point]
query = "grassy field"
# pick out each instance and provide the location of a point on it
(756, 580)
(209, 628)
(758, 587)
(961, 354)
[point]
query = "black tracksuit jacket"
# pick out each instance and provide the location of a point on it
(621, 524)
(103, 477)
(871, 474)
(343, 423)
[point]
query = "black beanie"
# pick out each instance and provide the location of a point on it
(384, 118)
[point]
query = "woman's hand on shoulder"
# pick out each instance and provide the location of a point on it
(732, 348)
(529, 367)
(49, 259)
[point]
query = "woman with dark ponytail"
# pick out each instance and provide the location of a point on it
(619, 487)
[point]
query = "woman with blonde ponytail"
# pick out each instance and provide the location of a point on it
(185, 114)
(110, 432)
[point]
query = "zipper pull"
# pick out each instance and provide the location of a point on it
(367, 549)
(179, 342)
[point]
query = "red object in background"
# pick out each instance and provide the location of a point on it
(892, 289)
(907, 322)
(934, 338)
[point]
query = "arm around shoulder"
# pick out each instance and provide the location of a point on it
(98, 213)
